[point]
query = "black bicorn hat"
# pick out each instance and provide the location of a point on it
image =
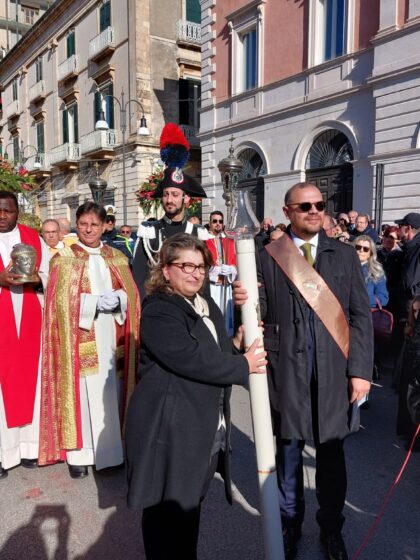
(174, 152)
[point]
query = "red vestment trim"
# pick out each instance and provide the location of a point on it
(228, 248)
(19, 353)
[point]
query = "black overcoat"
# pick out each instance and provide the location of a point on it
(286, 317)
(173, 414)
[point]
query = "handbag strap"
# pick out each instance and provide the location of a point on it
(378, 303)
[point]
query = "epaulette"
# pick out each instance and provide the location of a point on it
(202, 233)
(147, 230)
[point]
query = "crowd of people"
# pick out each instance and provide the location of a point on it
(74, 375)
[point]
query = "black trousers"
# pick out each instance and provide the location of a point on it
(171, 532)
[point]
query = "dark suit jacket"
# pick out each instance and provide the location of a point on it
(173, 414)
(286, 316)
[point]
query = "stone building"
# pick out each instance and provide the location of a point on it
(112, 61)
(321, 90)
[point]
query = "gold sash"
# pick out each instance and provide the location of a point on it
(313, 289)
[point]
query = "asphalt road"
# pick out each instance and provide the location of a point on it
(46, 515)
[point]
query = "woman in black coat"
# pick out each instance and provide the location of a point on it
(178, 421)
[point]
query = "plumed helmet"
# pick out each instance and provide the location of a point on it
(174, 152)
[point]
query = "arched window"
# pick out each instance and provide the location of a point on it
(330, 148)
(253, 165)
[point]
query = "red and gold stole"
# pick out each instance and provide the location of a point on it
(19, 353)
(70, 352)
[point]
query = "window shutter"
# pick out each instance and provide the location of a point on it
(104, 16)
(40, 138)
(193, 11)
(76, 124)
(97, 106)
(71, 44)
(65, 127)
(110, 107)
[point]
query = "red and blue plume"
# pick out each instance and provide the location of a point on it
(174, 147)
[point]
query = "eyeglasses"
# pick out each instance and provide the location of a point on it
(217, 221)
(362, 248)
(306, 206)
(125, 231)
(190, 268)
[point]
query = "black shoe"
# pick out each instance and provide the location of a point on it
(291, 536)
(335, 549)
(29, 463)
(77, 471)
(3, 472)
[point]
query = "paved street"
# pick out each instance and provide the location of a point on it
(46, 515)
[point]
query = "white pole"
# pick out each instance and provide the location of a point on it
(260, 408)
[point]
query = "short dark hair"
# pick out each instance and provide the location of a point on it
(216, 213)
(7, 194)
(91, 207)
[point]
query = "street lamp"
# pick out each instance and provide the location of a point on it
(242, 226)
(21, 158)
(101, 124)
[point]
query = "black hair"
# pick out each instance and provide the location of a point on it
(216, 213)
(91, 207)
(7, 194)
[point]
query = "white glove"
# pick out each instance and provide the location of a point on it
(226, 269)
(214, 273)
(109, 301)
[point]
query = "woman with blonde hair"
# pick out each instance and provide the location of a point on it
(372, 270)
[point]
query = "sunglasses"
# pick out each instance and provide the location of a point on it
(217, 221)
(306, 206)
(362, 248)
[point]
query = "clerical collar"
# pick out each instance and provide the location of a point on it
(170, 222)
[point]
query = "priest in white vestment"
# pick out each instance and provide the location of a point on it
(92, 320)
(20, 343)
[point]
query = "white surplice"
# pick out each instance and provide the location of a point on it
(23, 442)
(100, 392)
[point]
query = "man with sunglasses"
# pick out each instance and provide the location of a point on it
(318, 335)
(223, 272)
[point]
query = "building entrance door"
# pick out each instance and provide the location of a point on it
(336, 185)
(328, 166)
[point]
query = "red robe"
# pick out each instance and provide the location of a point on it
(19, 352)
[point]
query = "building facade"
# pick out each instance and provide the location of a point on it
(320, 90)
(110, 61)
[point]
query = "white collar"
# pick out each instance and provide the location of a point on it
(299, 242)
(91, 250)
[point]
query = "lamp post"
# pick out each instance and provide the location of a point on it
(21, 157)
(102, 124)
(242, 226)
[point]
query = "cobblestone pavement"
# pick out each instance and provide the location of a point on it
(46, 515)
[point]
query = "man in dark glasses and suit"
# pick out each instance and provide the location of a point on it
(318, 335)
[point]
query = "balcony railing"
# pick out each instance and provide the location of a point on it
(190, 133)
(65, 153)
(68, 68)
(12, 109)
(99, 140)
(38, 162)
(102, 43)
(37, 91)
(188, 32)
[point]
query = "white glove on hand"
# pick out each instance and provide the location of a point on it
(214, 273)
(225, 270)
(109, 301)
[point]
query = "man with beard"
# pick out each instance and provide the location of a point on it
(175, 191)
(318, 336)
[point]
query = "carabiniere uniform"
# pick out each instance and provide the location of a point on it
(151, 235)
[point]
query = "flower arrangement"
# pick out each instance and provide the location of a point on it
(15, 179)
(149, 205)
